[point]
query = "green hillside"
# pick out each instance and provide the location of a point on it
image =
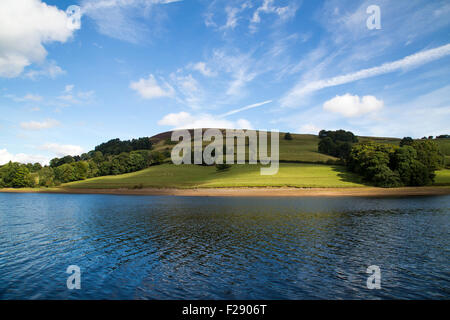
(313, 172)
(303, 147)
(188, 176)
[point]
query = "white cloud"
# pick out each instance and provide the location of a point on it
(255, 105)
(32, 97)
(352, 106)
(238, 66)
(309, 128)
(25, 26)
(69, 88)
(70, 96)
(62, 149)
(185, 120)
(150, 89)
(123, 19)
(201, 67)
(302, 89)
(36, 125)
(48, 69)
(267, 7)
(27, 97)
(5, 157)
(231, 17)
(190, 89)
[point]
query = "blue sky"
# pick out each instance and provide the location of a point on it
(139, 67)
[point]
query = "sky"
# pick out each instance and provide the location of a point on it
(134, 68)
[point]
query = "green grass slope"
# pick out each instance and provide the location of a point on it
(302, 148)
(194, 176)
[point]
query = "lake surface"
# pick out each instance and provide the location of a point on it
(162, 247)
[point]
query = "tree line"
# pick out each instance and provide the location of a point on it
(110, 158)
(413, 163)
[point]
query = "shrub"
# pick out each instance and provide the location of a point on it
(287, 136)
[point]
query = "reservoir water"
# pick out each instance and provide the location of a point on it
(163, 247)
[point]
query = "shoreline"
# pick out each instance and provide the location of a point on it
(253, 191)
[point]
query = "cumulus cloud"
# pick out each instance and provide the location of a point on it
(185, 120)
(25, 26)
(36, 125)
(150, 89)
(352, 106)
(62, 149)
(414, 60)
(6, 156)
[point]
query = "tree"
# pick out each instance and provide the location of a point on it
(338, 135)
(336, 143)
(390, 166)
(65, 173)
(287, 136)
(411, 171)
(371, 160)
(80, 170)
(116, 146)
(327, 146)
(429, 154)
(406, 141)
(46, 177)
(56, 162)
(16, 175)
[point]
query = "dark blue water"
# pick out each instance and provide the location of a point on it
(145, 247)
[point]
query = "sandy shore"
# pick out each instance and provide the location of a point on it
(254, 192)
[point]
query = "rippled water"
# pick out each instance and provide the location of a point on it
(148, 247)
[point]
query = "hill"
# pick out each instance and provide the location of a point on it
(302, 147)
(301, 166)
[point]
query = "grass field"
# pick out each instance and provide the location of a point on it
(193, 176)
(442, 178)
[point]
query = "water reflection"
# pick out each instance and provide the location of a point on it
(132, 247)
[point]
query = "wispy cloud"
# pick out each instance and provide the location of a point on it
(268, 7)
(39, 125)
(27, 97)
(302, 89)
(203, 69)
(49, 69)
(255, 105)
(123, 19)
